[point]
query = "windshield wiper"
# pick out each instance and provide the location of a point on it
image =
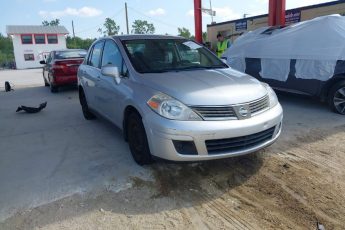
(184, 68)
(202, 67)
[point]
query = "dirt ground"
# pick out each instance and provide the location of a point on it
(292, 184)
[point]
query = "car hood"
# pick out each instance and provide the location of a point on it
(206, 87)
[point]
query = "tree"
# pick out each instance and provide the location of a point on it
(204, 36)
(109, 27)
(142, 27)
(6, 51)
(184, 32)
(54, 22)
(79, 43)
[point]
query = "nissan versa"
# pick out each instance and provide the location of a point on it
(176, 100)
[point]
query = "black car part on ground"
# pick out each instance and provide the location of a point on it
(7, 86)
(32, 109)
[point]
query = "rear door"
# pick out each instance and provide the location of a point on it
(91, 74)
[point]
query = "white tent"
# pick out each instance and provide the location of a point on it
(316, 45)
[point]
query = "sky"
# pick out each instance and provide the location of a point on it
(166, 15)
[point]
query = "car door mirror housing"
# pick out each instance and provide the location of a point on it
(43, 62)
(111, 71)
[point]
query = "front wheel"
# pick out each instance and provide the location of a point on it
(137, 140)
(53, 89)
(337, 97)
(45, 82)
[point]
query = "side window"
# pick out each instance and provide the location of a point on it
(88, 60)
(111, 55)
(96, 55)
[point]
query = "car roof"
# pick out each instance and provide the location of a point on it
(145, 36)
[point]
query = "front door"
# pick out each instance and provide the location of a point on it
(111, 92)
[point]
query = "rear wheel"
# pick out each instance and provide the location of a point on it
(337, 97)
(137, 140)
(88, 115)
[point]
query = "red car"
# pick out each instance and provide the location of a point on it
(61, 68)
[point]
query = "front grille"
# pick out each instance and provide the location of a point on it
(238, 143)
(222, 112)
(228, 112)
(259, 105)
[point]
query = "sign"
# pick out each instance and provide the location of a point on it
(209, 12)
(292, 16)
(241, 25)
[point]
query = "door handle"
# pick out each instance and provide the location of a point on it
(98, 78)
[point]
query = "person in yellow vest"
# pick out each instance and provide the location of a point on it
(222, 45)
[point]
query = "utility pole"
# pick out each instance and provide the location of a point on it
(198, 21)
(211, 11)
(126, 17)
(74, 41)
(73, 29)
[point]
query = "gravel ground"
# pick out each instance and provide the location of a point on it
(58, 171)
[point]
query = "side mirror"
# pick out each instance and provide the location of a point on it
(111, 71)
(43, 62)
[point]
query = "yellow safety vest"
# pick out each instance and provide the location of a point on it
(221, 47)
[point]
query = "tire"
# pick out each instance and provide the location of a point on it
(336, 98)
(88, 115)
(53, 89)
(46, 84)
(44, 79)
(137, 140)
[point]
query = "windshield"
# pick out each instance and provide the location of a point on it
(163, 55)
(70, 54)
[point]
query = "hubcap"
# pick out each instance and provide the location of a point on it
(339, 100)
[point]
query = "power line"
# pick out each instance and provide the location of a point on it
(154, 19)
(92, 28)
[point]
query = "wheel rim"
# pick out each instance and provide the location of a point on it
(339, 100)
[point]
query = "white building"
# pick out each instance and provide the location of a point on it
(31, 44)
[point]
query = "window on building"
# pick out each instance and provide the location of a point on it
(52, 39)
(27, 39)
(29, 57)
(40, 39)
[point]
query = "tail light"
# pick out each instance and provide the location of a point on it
(66, 67)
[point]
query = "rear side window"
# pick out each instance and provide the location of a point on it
(95, 58)
(111, 55)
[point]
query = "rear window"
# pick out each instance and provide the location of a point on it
(70, 54)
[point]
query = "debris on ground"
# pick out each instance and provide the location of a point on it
(32, 109)
(7, 86)
(320, 226)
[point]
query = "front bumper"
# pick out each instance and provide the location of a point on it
(162, 132)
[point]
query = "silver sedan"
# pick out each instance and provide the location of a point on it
(174, 99)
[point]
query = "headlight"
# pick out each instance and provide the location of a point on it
(171, 108)
(272, 95)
